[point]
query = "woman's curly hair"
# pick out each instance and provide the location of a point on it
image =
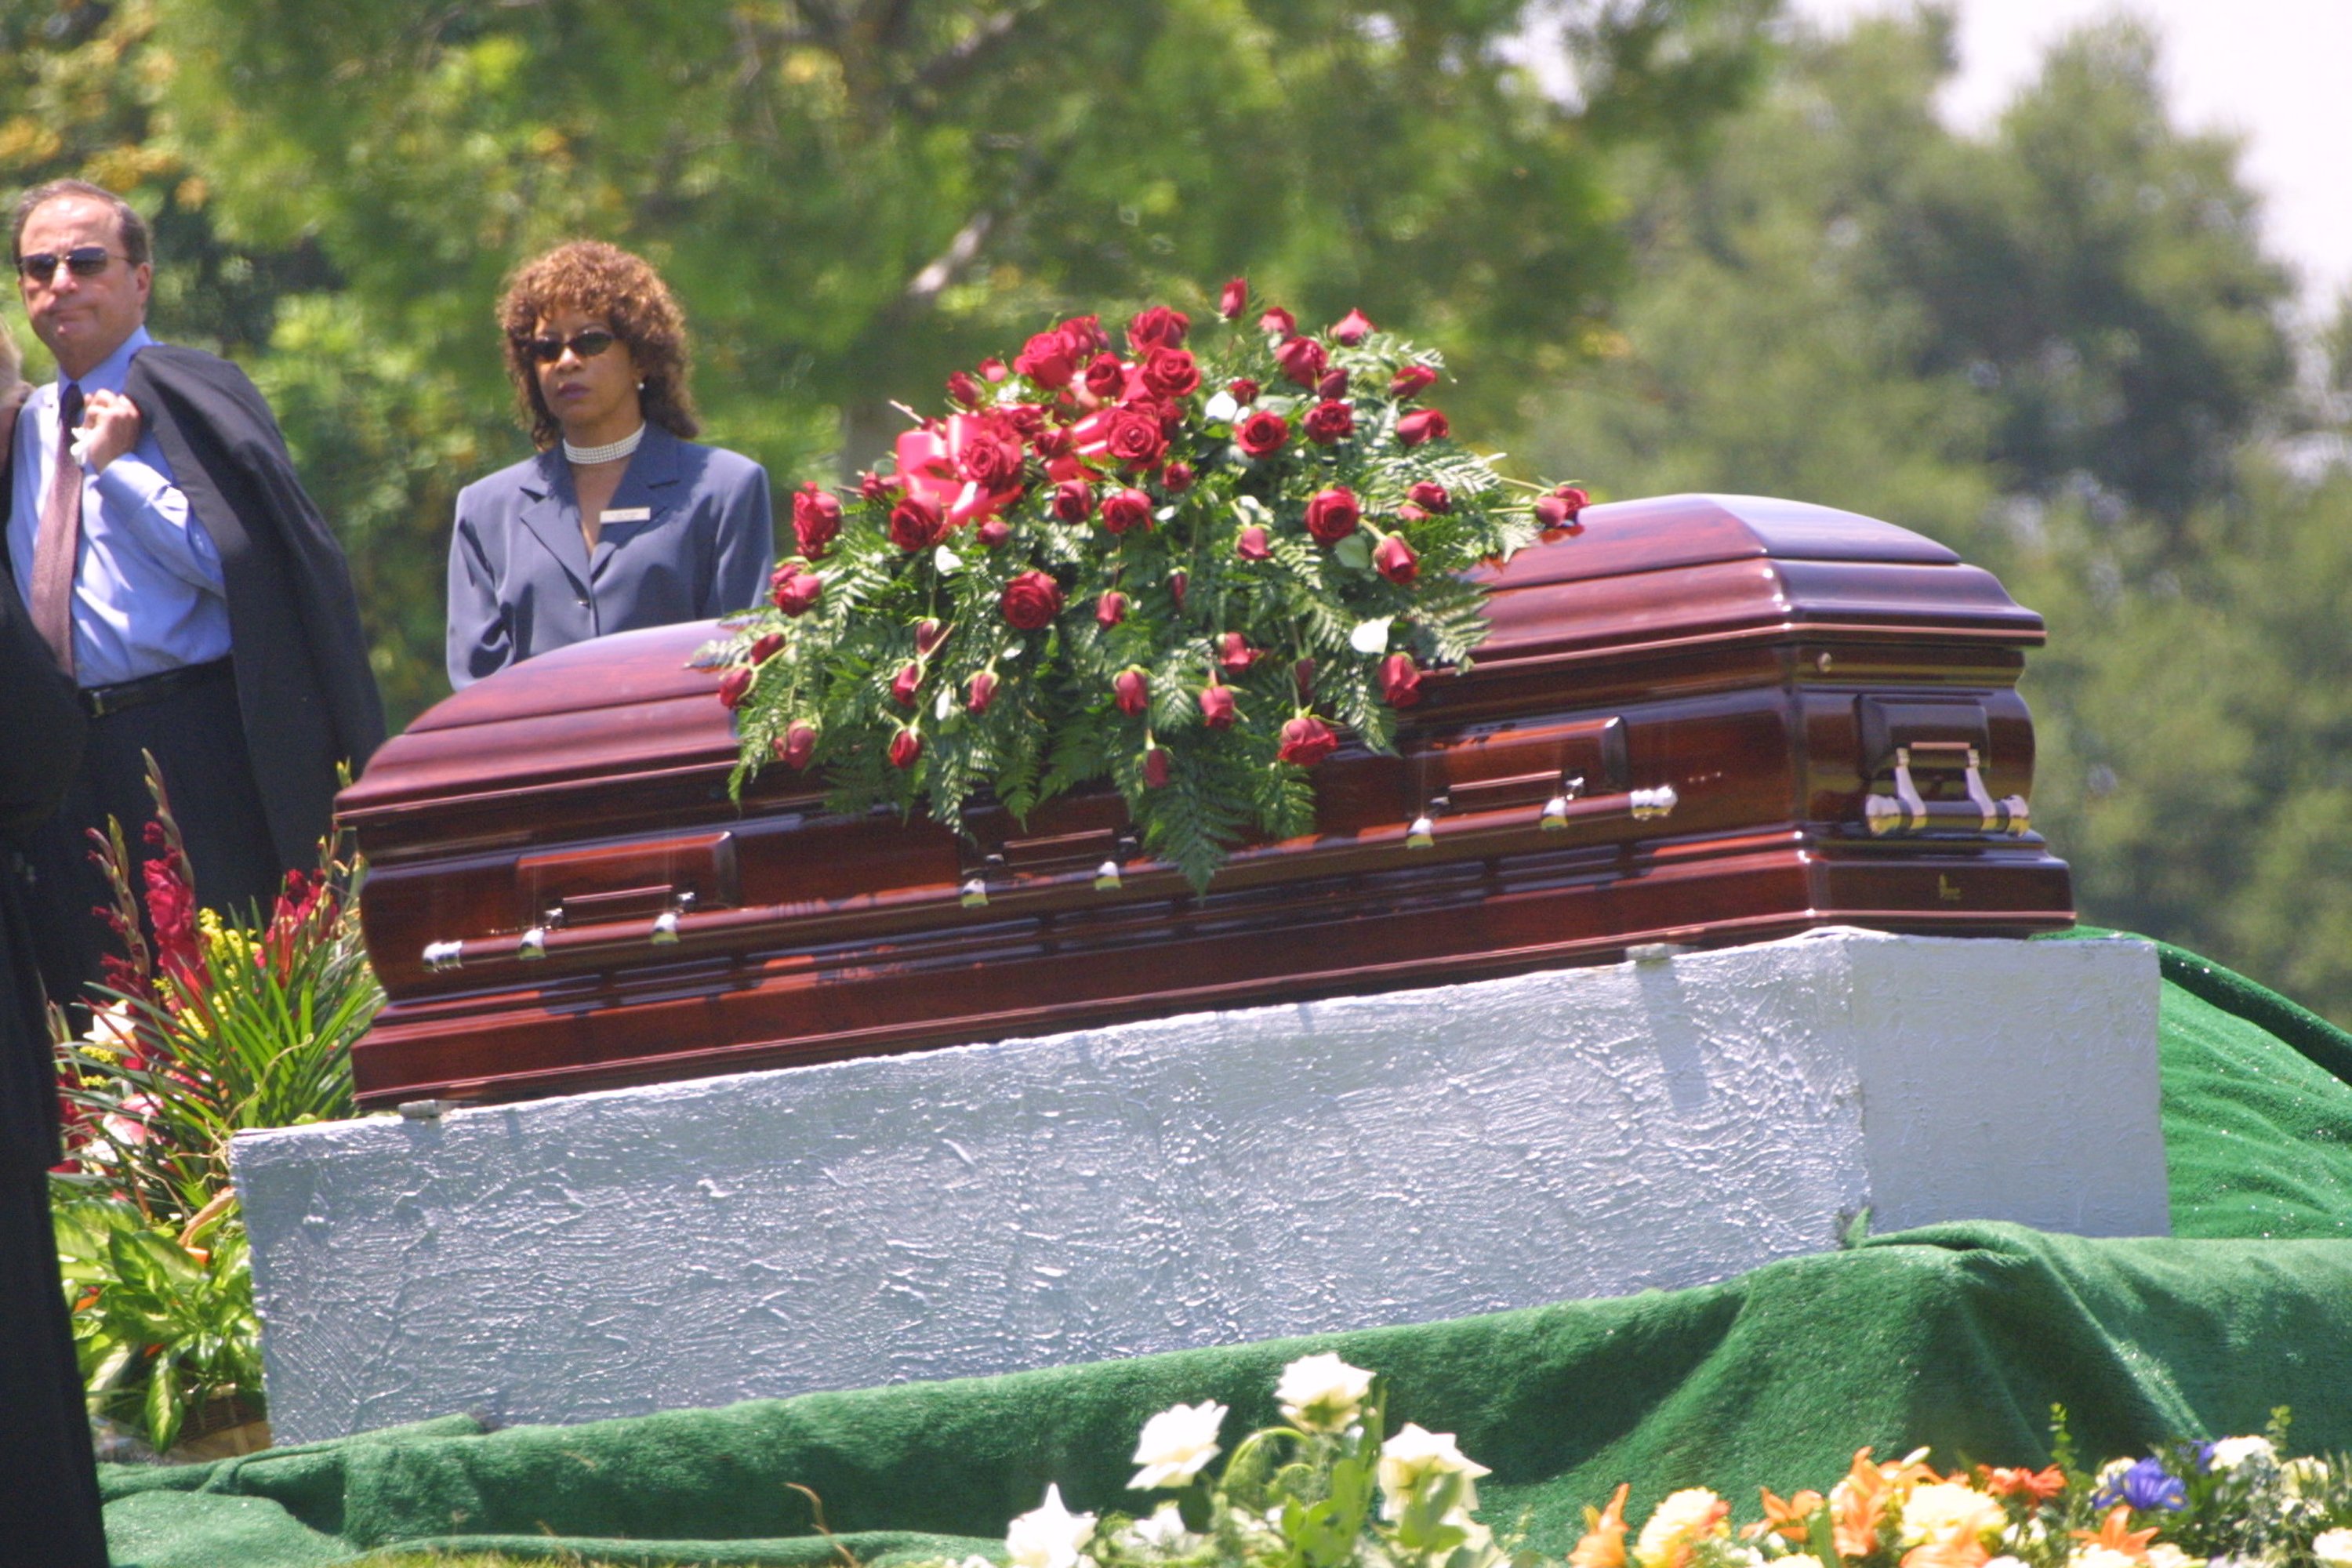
(603, 280)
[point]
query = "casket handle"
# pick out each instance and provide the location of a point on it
(1908, 811)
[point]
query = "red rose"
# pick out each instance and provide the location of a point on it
(1084, 335)
(1133, 436)
(1277, 321)
(1155, 768)
(1176, 478)
(1251, 544)
(796, 592)
(1051, 445)
(990, 460)
(1242, 390)
(963, 389)
(816, 518)
(1303, 361)
(1570, 501)
(1074, 501)
(928, 634)
(1262, 434)
(992, 370)
(876, 487)
(1351, 329)
(1332, 515)
(1171, 373)
(1177, 583)
(1408, 512)
(1158, 328)
(917, 524)
(1333, 384)
(1411, 379)
(1234, 653)
(795, 746)
(1025, 419)
(1422, 425)
(1307, 741)
(903, 685)
(1123, 509)
(734, 686)
(981, 692)
(1329, 422)
(1105, 376)
(1133, 688)
(905, 747)
(1110, 609)
(1217, 707)
(1431, 497)
(1032, 600)
(1234, 301)
(1395, 560)
(993, 533)
(1400, 680)
(767, 647)
(1048, 360)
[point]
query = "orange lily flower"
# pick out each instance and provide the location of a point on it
(2112, 1534)
(1604, 1545)
(1955, 1547)
(2040, 1485)
(1790, 1517)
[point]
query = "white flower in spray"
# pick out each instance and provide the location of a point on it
(1049, 1535)
(1322, 1393)
(1416, 1457)
(1175, 1443)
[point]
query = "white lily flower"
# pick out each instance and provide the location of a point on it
(1322, 1393)
(1175, 1443)
(1049, 1535)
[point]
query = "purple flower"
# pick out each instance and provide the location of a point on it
(2147, 1486)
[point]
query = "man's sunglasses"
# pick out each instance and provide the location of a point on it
(587, 345)
(82, 261)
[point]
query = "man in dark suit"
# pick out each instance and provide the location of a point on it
(48, 1497)
(168, 557)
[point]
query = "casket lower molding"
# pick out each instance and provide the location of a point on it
(1708, 719)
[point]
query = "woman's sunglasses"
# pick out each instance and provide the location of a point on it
(547, 351)
(82, 261)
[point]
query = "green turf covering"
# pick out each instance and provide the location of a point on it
(1962, 1336)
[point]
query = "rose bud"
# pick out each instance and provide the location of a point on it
(1125, 510)
(1262, 434)
(778, 578)
(905, 747)
(816, 518)
(963, 389)
(1333, 384)
(903, 685)
(876, 487)
(1104, 376)
(1395, 560)
(1110, 609)
(1133, 689)
(1158, 328)
(1278, 320)
(1235, 300)
(1155, 768)
(1573, 498)
(1177, 583)
(916, 525)
(1251, 544)
(1352, 328)
(1329, 422)
(1242, 390)
(992, 370)
(1074, 501)
(1302, 676)
(1431, 496)
(1031, 601)
(1303, 361)
(1234, 653)
(734, 686)
(1332, 514)
(1400, 680)
(795, 746)
(1408, 512)
(1422, 425)
(993, 533)
(1411, 379)
(1217, 707)
(1176, 478)
(798, 595)
(928, 634)
(1307, 741)
(981, 693)
(767, 647)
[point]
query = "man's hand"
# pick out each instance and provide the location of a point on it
(114, 425)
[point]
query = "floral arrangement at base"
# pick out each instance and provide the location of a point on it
(1331, 1488)
(1189, 571)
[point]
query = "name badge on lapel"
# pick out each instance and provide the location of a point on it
(626, 515)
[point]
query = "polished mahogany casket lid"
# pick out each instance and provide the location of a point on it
(1704, 719)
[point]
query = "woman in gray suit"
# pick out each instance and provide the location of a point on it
(622, 521)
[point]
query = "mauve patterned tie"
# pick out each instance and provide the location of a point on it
(56, 548)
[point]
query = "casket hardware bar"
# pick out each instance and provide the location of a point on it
(665, 922)
(1555, 811)
(1908, 811)
(441, 957)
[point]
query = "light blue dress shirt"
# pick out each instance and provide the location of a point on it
(149, 594)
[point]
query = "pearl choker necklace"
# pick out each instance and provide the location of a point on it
(587, 456)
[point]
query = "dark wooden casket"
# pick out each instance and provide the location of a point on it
(1708, 719)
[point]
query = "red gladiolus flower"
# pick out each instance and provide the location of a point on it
(1171, 373)
(1333, 384)
(963, 389)
(981, 693)
(1133, 688)
(1074, 501)
(767, 647)
(928, 634)
(1332, 514)
(1217, 707)
(1303, 361)
(1031, 601)
(993, 533)
(1235, 300)
(734, 686)
(917, 524)
(905, 747)
(1422, 425)
(1400, 680)
(1158, 328)
(1251, 544)
(1430, 496)
(1352, 328)
(1329, 422)
(1234, 653)
(1395, 560)
(1048, 360)
(1307, 741)
(795, 746)
(1411, 379)
(1110, 609)
(1176, 478)
(1243, 389)
(1177, 583)
(816, 518)
(1124, 510)
(1262, 434)
(903, 685)
(1277, 321)
(1104, 376)
(1155, 768)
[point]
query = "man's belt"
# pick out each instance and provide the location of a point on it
(97, 701)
